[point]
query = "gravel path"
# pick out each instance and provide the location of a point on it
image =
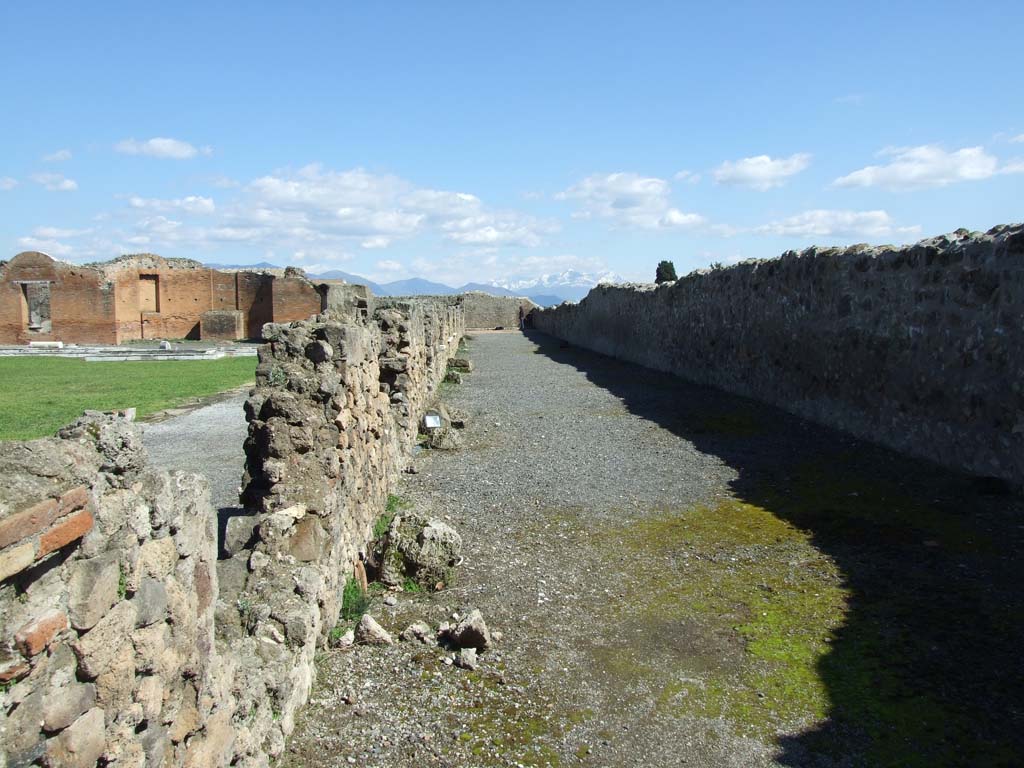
(207, 440)
(681, 578)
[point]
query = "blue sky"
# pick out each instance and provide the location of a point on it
(480, 141)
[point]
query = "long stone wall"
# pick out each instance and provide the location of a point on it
(123, 640)
(919, 348)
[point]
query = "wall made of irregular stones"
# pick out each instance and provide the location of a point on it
(122, 639)
(332, 421)
(919, 348)
(107, 593)
(484, 311)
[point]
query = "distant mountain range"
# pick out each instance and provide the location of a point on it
(546, 290)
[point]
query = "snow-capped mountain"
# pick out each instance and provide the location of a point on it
(571, 284)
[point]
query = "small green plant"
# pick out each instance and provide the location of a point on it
(336, 634)
(411, 585)
(122, 582)
(391, 508)
(277, 377)
(354, 603)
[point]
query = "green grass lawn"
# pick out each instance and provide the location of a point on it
(38, 395)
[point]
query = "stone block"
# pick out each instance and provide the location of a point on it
(92, 589)
(28, 522)
(23, 743)
(156, 560)
(36, 636)
(67, 530)
(150, 602)
(99, 647)
(81, 744)
(65, 698)
(308, 540)
(16, 559)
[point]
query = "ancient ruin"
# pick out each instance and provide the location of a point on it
(126, 641)
(144, 297)
(123, 636)
(920, 348)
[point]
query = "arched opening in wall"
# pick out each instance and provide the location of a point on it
(35, 306)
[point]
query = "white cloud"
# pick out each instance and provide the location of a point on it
(853, 99)
(926, 166)
(7, 183)
(54, 182)
(629, 200)
(57, 157)
(1019, 139)
(389, 266)
(55, 233)
(837, 223)
(45, 245)
(378, 241)
(173, 149)
(190, 204)
(687, 176)
(761, 172)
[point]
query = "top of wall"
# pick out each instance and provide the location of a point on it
(139, 261)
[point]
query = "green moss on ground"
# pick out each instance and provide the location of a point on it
(845, 611)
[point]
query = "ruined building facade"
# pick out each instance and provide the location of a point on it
(142, 297)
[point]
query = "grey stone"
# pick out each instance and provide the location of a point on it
(81, 744)
(150, 602)
(92, 589)
(418, 631)
(66, 698)
(118, 441)
(369, 632)
(421, 548)
(466, 658)
(239, 533)
(471, 632)
(444, 439)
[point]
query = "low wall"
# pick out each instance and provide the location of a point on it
(108, 585)
(484, 311)
(919, 348)
(122, 639)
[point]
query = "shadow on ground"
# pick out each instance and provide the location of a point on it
(924, 665)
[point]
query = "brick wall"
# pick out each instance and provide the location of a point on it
(145, 297)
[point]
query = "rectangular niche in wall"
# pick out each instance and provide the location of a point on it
(149, 293)
(35, 306)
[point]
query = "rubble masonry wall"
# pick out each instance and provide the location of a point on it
(920, 348)
(124, 639)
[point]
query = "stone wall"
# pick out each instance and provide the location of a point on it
(107, 590)
(122, 639)
(484, 311)
(919, 348)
